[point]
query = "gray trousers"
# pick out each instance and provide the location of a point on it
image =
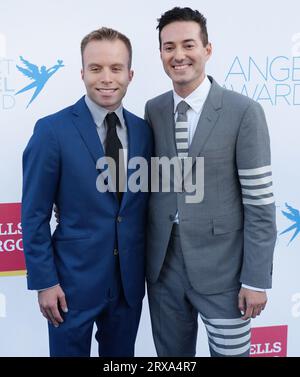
(175, 305)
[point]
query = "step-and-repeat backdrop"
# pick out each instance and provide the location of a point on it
(256, 51)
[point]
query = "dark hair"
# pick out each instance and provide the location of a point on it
(183, 14)
(107, 34)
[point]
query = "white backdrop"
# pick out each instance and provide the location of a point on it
(256, 52)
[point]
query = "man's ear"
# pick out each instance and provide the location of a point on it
(131, 74)
(208, 49)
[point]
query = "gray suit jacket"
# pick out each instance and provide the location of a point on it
(228, 238)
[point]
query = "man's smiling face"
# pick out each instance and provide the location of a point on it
(183, 55)
(106, 73)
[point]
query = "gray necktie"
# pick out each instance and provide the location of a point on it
(182, 130)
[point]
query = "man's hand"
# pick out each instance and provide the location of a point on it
(251, 302)
(50, 300)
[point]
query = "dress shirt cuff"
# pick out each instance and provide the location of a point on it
(44, 289)
(253, 288)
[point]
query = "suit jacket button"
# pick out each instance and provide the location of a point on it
(119, 219)
(172, 218)
(116, 252)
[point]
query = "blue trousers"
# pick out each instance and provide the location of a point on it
(117, 325)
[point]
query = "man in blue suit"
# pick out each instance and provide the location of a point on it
(91, 270)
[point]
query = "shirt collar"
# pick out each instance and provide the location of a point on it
(197, 98)
(99, 113)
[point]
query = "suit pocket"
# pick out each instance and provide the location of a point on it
(228, 223)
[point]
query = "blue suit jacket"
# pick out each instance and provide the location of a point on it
(59, 166)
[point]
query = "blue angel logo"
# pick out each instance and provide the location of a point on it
(39, 75)
(294, 216)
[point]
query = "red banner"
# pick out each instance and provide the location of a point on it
(269, 341)
(12, 260)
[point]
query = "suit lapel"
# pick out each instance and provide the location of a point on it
(168, 125)
(87, 128)
(207, 121)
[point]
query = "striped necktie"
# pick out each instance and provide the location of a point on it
(182, 130)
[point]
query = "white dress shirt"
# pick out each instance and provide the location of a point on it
(196, 101)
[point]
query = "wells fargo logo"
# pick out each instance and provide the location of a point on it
(269, 341)
(12, 260)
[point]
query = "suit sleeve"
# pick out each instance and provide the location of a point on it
(40, 180)
(253, 161)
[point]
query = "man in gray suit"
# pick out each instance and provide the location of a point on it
(212, 258)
